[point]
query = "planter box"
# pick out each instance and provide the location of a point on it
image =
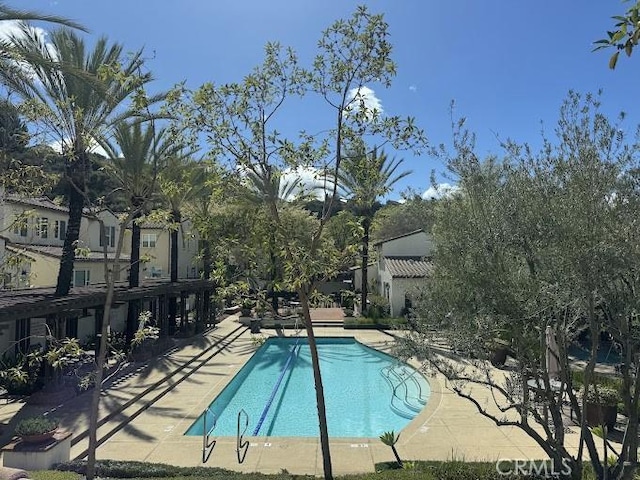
(597, 415)
(40, 456)
(366, 326)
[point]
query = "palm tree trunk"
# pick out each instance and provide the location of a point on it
(366, 224)
(317, 379)
(65, 274)
(173, 301)
(133, 309)
(205, 318)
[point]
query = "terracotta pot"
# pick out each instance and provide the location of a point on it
(597, 415)
(39, 438)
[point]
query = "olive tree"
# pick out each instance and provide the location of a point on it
(536, 242)
(240, 121)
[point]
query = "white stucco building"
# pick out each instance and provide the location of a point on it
(402, 263)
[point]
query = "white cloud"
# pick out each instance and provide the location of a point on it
(364, 98)
(413, 88)
(10, 29)
(13, 29)
(312, 182)
(58, 146)
(439, 191)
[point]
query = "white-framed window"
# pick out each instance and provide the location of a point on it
(60, 229)
(108, 237)
(20, 227)
(149, 240)
(42, 227)
(81, 278)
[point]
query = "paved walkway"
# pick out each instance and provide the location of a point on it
(151, 429)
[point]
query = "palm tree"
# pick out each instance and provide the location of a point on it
(75, 109)
(180, 181)
(214, 189)
(133, 163)
(390, 439)
(365, 178)
(268, 185)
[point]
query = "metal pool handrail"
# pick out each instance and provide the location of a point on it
(390, 370)
(241, 444)
(275, 389)
(404, 381)
(207, 446)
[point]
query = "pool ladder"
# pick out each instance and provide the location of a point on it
(207, 442)
(399, 379)
(242, 445)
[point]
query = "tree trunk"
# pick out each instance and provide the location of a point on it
(101, 356)
(133, 309)
(206, 306)
(65, 274)
(173, 301)
(366, 224)
(273, 271)
(395, 453)
(95, 398)
(317, 379)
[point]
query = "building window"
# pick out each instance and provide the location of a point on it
(60, 229)
(20, 227)
(149, 240)
(42, 227)
(108, 237)
(81, 278)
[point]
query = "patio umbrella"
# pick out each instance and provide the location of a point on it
(552, 354)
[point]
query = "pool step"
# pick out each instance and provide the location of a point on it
(407, 397)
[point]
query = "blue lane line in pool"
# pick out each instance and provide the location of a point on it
(275, 389)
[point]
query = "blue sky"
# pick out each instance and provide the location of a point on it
(507, 64)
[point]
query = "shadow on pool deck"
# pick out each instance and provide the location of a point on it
(448, 427)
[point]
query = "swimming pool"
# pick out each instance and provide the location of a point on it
(367, 392)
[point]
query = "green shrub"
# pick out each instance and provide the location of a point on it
(366, 322)
(450, 470)
(598, 378)
(133, 469)
(36, 426)
(378, 307)
(347, 298)
(247, 304)
(602, 395)
(19, 373)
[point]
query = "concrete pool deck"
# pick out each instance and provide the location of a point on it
(151, 428)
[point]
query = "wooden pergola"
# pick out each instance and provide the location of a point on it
(20, 306)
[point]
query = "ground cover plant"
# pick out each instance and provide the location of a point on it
(426, 470)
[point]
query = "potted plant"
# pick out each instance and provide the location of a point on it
(601, 406)
(36, 429)
(245, 307)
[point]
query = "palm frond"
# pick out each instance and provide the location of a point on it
(11, 14)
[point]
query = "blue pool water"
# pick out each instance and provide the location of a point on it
(366, 391)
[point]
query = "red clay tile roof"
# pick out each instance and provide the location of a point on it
(407, 267)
